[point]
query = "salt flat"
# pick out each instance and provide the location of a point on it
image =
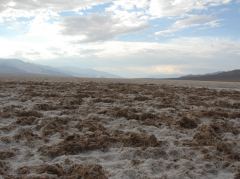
(187, 83)
(117, 128)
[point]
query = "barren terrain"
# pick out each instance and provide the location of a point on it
(89, 128)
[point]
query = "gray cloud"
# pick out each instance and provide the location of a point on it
(48, 4)
(99, 27)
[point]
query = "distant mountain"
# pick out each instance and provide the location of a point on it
(19, 67)
(233, 75)
(5, 69)
(91, 73)
(162, 76)
(15, 66)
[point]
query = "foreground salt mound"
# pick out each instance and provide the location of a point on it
(117, 130)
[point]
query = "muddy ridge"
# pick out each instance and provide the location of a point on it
(90, 129)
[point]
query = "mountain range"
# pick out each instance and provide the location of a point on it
(233, 75)
(19, 67)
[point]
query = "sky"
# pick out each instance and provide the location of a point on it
(129, 38)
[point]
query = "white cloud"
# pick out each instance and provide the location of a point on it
(13, 9)
(162, 8)
(188, 13)
(101, 27)
(58, 5)
(129, 5)
(190, 21)
(182, 55)
(194, 48)
(177, 48)
(169, 8)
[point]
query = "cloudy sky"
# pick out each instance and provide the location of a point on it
(130, 38)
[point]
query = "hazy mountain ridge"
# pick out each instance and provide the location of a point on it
(5, 69)
(233, 75)
(87, 72)
(19, 67)
(15, 66)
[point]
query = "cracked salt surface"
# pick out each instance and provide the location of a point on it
(107, 129)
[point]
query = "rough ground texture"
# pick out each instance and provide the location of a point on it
(93, 129)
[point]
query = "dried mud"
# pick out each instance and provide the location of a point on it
(93, 129)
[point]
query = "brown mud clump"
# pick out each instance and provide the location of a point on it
(87, 172)
(23, 121)
(188, 123)
(205, 135)
(91, 171)
(30, 113)
(75, 144)
(237, 175)
(54, 125)
(138, 140)
(3, 167)
(6, 154)
(26, 135)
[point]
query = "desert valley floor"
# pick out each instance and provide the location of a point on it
(130, 129)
